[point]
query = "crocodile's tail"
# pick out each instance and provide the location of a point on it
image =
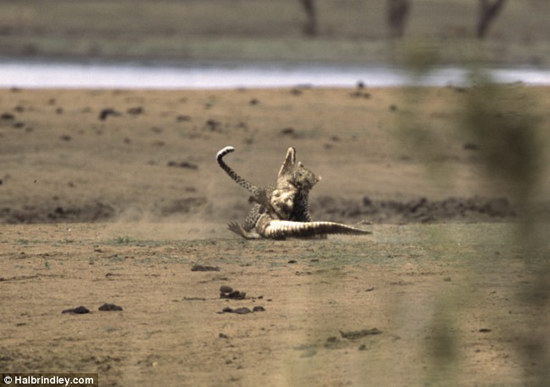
(278, 229)
(232, 174)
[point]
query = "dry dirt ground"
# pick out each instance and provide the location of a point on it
(394, 308)
(114, 197)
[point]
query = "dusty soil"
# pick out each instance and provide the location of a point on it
(342, 311)
(114, 197)
(89, 155)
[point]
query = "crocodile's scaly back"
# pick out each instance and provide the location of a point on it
(281, 229)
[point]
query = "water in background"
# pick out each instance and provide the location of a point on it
(42, 74)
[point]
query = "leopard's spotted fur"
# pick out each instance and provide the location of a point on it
(288, 200)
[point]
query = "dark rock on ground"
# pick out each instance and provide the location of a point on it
(226, 289)
(105, 113)
(204, 268)
(109, 308)
(77, 310)
(232, 294)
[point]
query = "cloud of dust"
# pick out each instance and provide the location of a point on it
(201, 214)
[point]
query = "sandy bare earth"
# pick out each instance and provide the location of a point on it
(125, 209)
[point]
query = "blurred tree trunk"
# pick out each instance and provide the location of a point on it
(397, 14)
(488, 11)
(310, 28)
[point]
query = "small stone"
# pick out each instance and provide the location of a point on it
(258, 308)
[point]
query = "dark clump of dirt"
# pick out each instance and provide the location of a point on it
(135, 110)
(243, 310)
(109, 308)
(421, 210)
(77, 310)
(354, 335)
(213, 125)
(226, 289)
(288, 131)
(183, 118)
(48, 214)
(182, 164)
(204, 268)
(104, 113)
(229, 292)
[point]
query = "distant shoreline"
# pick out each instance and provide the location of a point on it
(236, 74)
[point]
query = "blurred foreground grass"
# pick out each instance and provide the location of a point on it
(507, 127)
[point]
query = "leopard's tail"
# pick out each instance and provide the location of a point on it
(232, 174)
